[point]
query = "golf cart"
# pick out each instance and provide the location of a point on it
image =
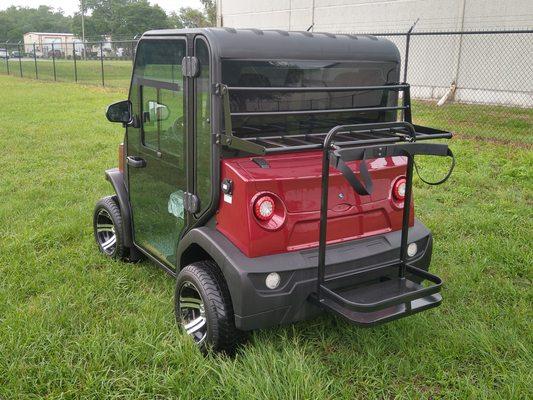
(270, 173)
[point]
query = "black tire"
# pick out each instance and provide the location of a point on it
(108, 230)
(220, 334)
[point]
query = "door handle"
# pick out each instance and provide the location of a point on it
(136, 162)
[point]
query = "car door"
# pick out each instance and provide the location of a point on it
(157, 148)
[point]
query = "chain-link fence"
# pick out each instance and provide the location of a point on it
(476, 83)
(106, 63)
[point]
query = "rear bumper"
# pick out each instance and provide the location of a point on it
(256, 306)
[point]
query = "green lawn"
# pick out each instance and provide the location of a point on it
(74, 324)
(496, 123)
(116, 73)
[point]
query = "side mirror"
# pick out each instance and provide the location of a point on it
(119, 112)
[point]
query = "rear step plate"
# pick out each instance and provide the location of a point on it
(385, 315)
(361, 304)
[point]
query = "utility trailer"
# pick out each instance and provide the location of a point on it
(271, 173)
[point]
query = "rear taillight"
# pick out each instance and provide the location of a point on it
(264, 208)
(269, 211)
(398, 189)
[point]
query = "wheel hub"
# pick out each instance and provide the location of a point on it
(105, 232)
(192, 312)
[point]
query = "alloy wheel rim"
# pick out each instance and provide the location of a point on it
(105, 232)
(192, 312)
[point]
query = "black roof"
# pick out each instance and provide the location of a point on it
(279, 44)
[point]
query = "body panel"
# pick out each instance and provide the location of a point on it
(296, 179)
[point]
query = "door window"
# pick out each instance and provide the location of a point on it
(160, 60)
(162, 119)
(158, 73)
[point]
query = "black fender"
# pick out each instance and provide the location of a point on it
(255, 306)
(116, 178)
(205, 242)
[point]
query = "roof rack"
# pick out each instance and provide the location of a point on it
(355, 135)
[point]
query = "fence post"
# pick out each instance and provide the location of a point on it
(102, 61)
(54, 60)
(7, 57)
(20, 59)
(75, 65)
(407, 43)
(132, 50)
(35, 61)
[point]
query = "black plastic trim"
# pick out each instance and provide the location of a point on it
(257, 307)
(116, 178)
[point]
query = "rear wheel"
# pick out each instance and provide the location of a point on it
(108, 229)
(203, 308)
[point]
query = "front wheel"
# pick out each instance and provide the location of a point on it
(203, 308)
(108, 230)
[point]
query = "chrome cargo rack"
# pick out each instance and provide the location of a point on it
(356, 135)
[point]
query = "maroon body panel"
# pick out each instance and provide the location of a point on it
(295, 179)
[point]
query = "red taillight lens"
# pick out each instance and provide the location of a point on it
(398, 189)
(264, 208)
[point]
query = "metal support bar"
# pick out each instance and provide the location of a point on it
(102, 62)
(7, 58)
(407, 104)
(75, 65)
(323, 214)
(406, 214)
(35, 61)
(407, 43)
(54, 61)
(315, 88)
(304, 112)
(240, 144)
(448, 33)
(20, 59)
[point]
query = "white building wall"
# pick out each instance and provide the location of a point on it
(43, 41)
(376, 15)
(489, 69)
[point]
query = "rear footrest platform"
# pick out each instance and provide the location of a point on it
(383, 299)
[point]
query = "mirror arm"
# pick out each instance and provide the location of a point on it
(134, 122)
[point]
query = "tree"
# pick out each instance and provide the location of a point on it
(120, 18)
(210, 11)
(16, 21)
(192, 18)
(189, 18)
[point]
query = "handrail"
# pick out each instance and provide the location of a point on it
(361, 127)
(325, 111)
(315, 88)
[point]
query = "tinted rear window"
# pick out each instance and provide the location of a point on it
(325, 74)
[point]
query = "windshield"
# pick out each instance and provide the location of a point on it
(276, 73)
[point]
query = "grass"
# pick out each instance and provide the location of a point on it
(74, 324)
(117, 73)
(496, 123)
